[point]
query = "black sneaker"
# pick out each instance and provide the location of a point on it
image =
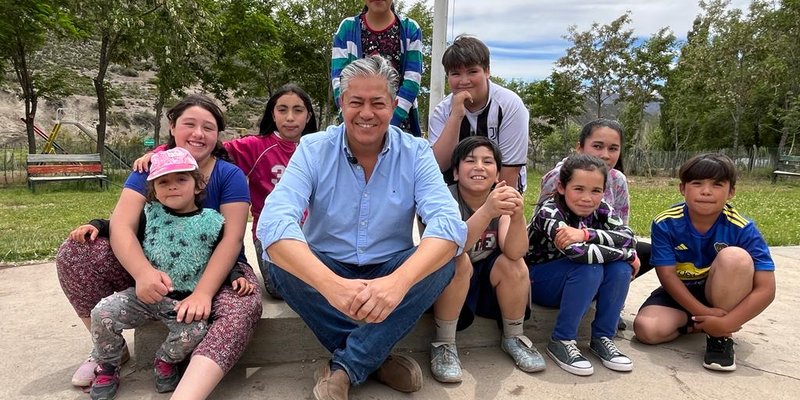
(167, 376)
(106, 382)
(621, 325)
(719, 354)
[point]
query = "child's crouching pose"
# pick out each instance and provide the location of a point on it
(178, 238)
(580, 252)
(491, 275)
(715, 269)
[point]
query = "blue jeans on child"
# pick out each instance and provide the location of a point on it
(360, 349)
(572, 286)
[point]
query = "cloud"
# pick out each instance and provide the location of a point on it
(526, 36)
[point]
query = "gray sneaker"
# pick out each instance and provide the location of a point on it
(521, 349)
(612, 358)
(567, 355)
(445, 365)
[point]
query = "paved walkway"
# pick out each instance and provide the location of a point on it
(42, 342)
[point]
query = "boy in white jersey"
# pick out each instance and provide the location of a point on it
(478, 106)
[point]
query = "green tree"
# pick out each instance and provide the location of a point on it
(177, 42)
(598, 58)
(24, 29)
(552, 102)
(245, 50)
(647, 69)
(783, 64)
(306, 30)
(118, 26)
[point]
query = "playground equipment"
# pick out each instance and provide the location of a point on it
(51, 146)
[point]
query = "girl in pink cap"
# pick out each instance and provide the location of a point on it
(178, 238)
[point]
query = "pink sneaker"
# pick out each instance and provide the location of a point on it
(85, 373)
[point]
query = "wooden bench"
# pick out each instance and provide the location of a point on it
(787, 166)
(64, 167)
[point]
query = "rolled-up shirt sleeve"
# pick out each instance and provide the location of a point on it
(283, 210)
(435, 205)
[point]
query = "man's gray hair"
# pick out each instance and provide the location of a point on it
(367, 67)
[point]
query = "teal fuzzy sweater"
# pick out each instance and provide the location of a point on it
(181, 244)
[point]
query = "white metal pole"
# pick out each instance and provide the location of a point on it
(440, 8)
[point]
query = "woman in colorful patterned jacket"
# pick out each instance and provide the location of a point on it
(377, 29)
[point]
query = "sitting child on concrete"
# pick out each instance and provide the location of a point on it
(178, 237)
(579, 252)
(490, 274)
(715, 269)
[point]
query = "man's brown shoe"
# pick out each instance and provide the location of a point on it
(401, 373)
(331, 386)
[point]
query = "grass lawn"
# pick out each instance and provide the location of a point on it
(32, 226)
(775, 208)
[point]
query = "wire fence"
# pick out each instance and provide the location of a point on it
(749, 161)
(754, 161)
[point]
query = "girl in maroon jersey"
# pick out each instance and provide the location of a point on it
(263, 158)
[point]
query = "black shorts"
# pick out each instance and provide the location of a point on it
(660, 297)
(481, 297)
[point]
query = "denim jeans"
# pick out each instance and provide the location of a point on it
(572, 286)
(360, 349)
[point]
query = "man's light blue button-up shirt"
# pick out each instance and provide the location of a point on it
(352, 220)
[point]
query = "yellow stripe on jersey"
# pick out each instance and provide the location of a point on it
(688, 272)
(674, 212)
(733, 216)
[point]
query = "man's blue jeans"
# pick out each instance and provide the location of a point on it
(572, 286)
(360, 349)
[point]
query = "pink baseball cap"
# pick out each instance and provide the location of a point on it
(165, 162)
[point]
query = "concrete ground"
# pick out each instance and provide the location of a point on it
(42, 342)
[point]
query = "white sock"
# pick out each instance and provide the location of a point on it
(445, 331)
(512, 327)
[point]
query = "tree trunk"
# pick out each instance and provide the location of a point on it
(106, 48)
(31, 105)
(784, 137)
(20, 62)
(159, 109)
(735, 133)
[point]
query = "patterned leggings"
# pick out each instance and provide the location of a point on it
(123, 310)
(89, 272)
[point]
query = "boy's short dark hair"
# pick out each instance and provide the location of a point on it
(470, 143)
(716, 166)
(465, 51)
(199, 185)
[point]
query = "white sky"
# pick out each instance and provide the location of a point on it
(525, 36)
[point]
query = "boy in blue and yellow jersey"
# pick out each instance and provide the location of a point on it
(715, 269)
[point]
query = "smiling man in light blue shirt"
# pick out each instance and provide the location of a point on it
(352, 272)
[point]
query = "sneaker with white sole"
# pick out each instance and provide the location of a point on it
(521, 350)
(567, 355)
(445, 364)
(719, 354)
(85, 373)
(613, 359)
